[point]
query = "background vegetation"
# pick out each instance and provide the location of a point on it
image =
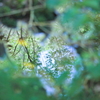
(67, 64)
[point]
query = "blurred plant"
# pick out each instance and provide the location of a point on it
(76, 47)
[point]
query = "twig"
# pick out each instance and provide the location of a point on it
(21, 10)
(31, 13)
(21, 31)
(15, 48)
(17, 33)
(9, 34)
(33, 42)
(17, 51)
(28, 55)
(42, 23)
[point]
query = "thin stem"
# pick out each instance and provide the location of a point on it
(33, 42)
(28, 55)
(15, 48)
(21, 10)
(31, 14)
(9, 34)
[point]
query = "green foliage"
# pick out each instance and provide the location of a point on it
(62, 78)
(21, 88)
(10, 22)
(76, 46)
(5, 9)
(91, 3)
(75, 16)
(55, 3)
(48, 15)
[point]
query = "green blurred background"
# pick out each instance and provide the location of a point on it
(49, 50)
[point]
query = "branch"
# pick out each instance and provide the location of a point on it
(21, 10)
(42, 23)
(31, 14)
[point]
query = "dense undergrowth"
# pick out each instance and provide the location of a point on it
(66, 66)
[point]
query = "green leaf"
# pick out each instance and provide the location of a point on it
(55, 3)
(91, 3)
(69, 14)
(63, 77)
(94, 71)
(74, 16)
(75, 87)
